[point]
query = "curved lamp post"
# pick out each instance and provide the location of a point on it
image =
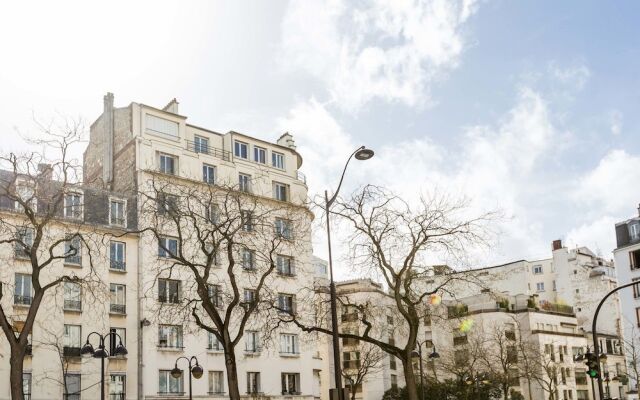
(362, 154)
(195, 371)
(418, 354)
(102, 353)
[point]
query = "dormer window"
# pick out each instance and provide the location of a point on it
(241, 150)
(73, 205)
(117, 212)
(163, 126)
(634, 231)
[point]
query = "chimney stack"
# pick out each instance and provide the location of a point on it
(638, 210)
(107, 160)
(556, 245)
(46, 171)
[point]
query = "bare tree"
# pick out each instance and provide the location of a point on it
(548, 370)
(395, 242)
(230, 249)
(368, 362)
(35, 236)
(632, 351)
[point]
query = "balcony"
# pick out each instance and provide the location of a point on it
(72, 305)
(206, 149)
(69, 351)
(22, 300)
(118, 309)
(556, 308)
(118, 265)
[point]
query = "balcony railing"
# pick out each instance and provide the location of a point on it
(22, 300)
(171, 393)
(73, 305)
(118, 265)
(207, 149)
(74, 396)
(71, 351)
(118, 308)
(301, 177)
(164, 344)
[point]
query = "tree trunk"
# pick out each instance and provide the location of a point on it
(505, 391)
(410, 379)
(16, 363)
(232, 373)
(529, 387)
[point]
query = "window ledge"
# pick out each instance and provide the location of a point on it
(118, 271)
(214, 351)
(22, 305)
(290, 355)
(171, 349)
(71, 310)
(72, 265)
(117, 314)
(250, 353)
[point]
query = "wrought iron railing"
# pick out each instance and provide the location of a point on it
(71, 351)
(73, 305)
(118, 308)
(75, 260)
(118, 265)
(301, 177)
(207, 149)
(23, 300)
(117, 396)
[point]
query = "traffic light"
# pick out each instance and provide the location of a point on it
(593, 364)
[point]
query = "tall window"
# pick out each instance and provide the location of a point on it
(246, 217)
(259, 155)
(117, 295)
(212, 213)
(287, 303)
(280, 191)
(117, 386)
(216, 382)
(72, 296)
(285, 266)
(241, 150)
(115, 335)
(214, 343)
(117, 212)
(283, 228)
(290, 383)
(72, 337)
(73, 251)
(540, 286)
(215, 295)
(167, 164)
(170, 336)
(277, 160)
(72, 386)
(167, 247)
(249, 296)
(73, 205)
(24, 237)
(209, 174)
(26, 385)
(167, 203)
(22, 291)
(248, 259)
(253, 382)
(201, 144)
(168, 291)
(244, 183)
(289, 343)
(117, 251)
(252, 341)
(167, 384)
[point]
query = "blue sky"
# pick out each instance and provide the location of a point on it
(527, 107)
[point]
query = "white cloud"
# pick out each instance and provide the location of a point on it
(575, 75)
(615, 121)
(375, 49)
(597, 234)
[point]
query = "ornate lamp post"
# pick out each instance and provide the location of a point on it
(194, 370)
(362, 153)
(418, 354)
(102, 353)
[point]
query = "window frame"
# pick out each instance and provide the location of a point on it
(162, 163)
(114, 263)
(167, 332)
(238, 147)
(199, 146)
(123, 203)
(244, 182)
(257, 151)
(166, 254)
(73, 210)
(117, 298)
(209, 174)
(275, 155)
(168, 298)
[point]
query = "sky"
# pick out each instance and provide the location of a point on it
(528, 107)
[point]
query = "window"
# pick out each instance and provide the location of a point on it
(209, 174)
(634, 231)
(72, 296)
(24, 237)
(214, 343)
(161, 125)
(241, 150)
(201, 144)
(215, 295)
(26, 385)
(289, 343)
(117, 251)
(212, 213)
(246, 217)
(117, 387)
(168, 291)
(283, 228)
(259, 155)
(167, 203)
(167, 247)
(22, 291)
(394, 381)
(634, 259)
(244, 183)
(26, 193)
(73, 205)
(287, 303)
(117, 212)
(170, 336)
(540, 286)
(117, 295)
(248, 259)
(285, 266)
(73, 251)
(512, 354)
(167, 164)
(249, 297)
(167, 384)
(290, 383)
(537, 269)
(277, 160)
(280, 191)
(253, 382)
(216, 382)
(72, 386)
(72, 337)
(252, 342)
(115, 335)
(392, 362)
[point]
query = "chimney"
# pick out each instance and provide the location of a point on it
(286, 140)
(107, 162)
(172, 107)
(638, 210)
(556, 245)
(45, 171)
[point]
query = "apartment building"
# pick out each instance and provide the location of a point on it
(131, 151)
(627, 259)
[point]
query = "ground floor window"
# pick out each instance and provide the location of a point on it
(72, 387)
(168, 384)
(117, 386)
(290, 383)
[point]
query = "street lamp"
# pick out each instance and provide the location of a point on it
(362, 154)
(102, 353)
(418, 354)
(196, 371)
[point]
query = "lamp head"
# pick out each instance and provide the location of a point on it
(197, 371)
(364, 154)
(434, 354)
(176, 372)
(87, 349)
(120, 350)
(415, 354)
(603, 357)
(100, 353)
